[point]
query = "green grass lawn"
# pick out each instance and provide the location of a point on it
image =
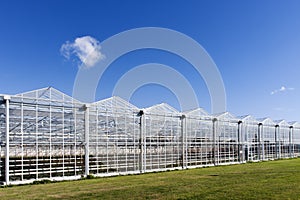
(264, 180)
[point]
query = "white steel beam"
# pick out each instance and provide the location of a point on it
(86, 138)
(183, 140)
(7, 98)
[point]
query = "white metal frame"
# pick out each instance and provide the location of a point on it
(47, 134)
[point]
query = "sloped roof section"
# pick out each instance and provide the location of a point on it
(295, 124)
(226, 116)
(161, 109)
(267, 121)
(282, 123)
(249, 119)
(48, 93)
(113, 103)
(197, 112)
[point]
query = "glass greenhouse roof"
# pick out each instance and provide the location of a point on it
(48, 93)
(295, 124)
(163, 107)
(267, 121)
(249, 119)
(282, 123)
(197, 112)
(115, 102)
(226, 116)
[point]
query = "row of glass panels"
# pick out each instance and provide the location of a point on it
(52, 135)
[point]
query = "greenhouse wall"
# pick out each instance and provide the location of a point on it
(268, 130)
(284, 139)
(46, 134)
(228, 136)
(296, 139)
(161, 139)
(114, 135)
(200, 143)
(252, 137)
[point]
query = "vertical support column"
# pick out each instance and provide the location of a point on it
(262, 141)
(22, 141)
(214, 141)
(183, 141)
(290, 142)
(36, 140)
(50, 136)
(240, 143)
(75, 140)
(277, 153)
(6, 99)
(144, 142)
(258, 145)
(87, 138)
(141, 141)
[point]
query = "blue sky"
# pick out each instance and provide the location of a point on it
(255, 44)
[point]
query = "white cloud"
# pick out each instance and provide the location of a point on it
(86, 48)
(282, 89)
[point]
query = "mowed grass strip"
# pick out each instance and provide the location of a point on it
(264, 180)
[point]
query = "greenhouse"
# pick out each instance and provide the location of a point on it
(200, 145)
(228, 136)
(295, 139)
(283, 139)
(251, 139)
(268, 130)
(46, 134)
